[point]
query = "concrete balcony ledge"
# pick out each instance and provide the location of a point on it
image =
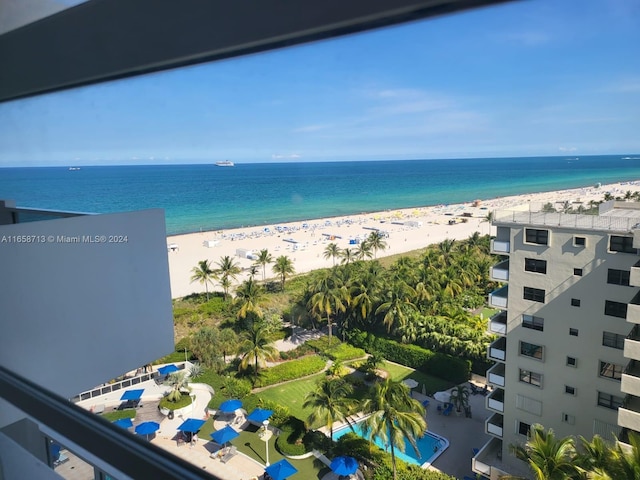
(629, 414)
(498, 350)
(488, 461)
(500, 247)
(500, 272)
(634, 277)
(632, 345)
(633, 310)
(498, 323)
(494, 424)
(496, 375)
(498, 298)
(495, 401)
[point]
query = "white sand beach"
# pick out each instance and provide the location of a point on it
(304, 242)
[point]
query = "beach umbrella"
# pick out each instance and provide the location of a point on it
(410, 382)
(230, 406)
(259, 415)
(124, 423)
(130, 395)
(167, 369)
(443, 397)
(147, 428)
(191, 425)
(224, 435)
(281, 470)
(344, 465)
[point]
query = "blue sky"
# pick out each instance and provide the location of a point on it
(550, 77)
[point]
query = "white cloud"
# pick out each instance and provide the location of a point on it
(279, 156)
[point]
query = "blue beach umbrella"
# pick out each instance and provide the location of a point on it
(281, 470)
(147, 428)
(230, 406)
(259, 415)
(344, 465)
(224, 435)
(167, 369)
(124, 423)
(132, 395)
(191, 425)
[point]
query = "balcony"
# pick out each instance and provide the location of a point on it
(495, 375)
(632, 344)
(495, 401)
(631, 379)
(498, 298)
(634, 277)
(500, 247)
(633, 310)
(500, 272)
(498, 323)
(498, 350)
(493, 425)
(629, 414)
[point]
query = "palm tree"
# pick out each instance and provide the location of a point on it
(332, 251)
(598, 457)
(256, 346)
(549, 458)
(376, 242)
(329, 402)
(264, 258)
(283, 267)
(248, 296)
(363, 251)
(627, 464)
(347, 255)
(330, 298)
(253, 271)
(203, 274)
(396, 304)
(227, 270)
(460, 397)
(394, 417)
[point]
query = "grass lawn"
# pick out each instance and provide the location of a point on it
(431, 384)
(292, 395)
(118, 414)
(488, 312)
(251, 445)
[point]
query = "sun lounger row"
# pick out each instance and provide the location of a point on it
(225, 454)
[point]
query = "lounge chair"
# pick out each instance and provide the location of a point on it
(229, 455)
(447, 410)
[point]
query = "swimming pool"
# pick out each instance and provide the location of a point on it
(430, 446)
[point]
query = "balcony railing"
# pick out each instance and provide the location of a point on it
(496, 375)
(107, 444)
(633, 310)
(634, 277)
(567, 220)
(629, 413)
(500, 272)
(632, 344)
(498, 350)
(500, 247)
(493, 425)
(495, 401)
(498, 298)
(631, 379)
(498, 323)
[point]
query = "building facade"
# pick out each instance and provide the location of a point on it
(567, 347)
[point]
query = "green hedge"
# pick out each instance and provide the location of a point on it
(337, 351)
(451, 368)
(290, 370)
(290, 441)
(185, 400)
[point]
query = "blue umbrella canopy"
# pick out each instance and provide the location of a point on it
(224, 435)
(167, 369)
(124, 423)
(191, 425)
(281, 470)
(132, 394)
(230, 406)
(344, 465)
(259, 415)
(147, 428)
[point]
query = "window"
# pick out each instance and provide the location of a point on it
(609, 401)
(569, 390)
(534, 294)
(575, 302)
(567, 418)
(572, 362)
(618, 277)
(615, 309)
(573, 332)
(531, 378)
(621, 244)
(577, 272)
(539, 237)
(523, 428)
(534, 323)
(531, 350)
(611, 370)
(535, 265)
(610, 339)
(579, 241)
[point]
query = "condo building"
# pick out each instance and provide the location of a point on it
(568, 342)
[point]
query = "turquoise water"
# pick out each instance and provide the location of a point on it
(205, 197)
(430, 446)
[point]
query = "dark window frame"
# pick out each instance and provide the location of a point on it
(524, 427)
(572, 361)
(620, 244)
(618, 277)
(611, 370)
(534, 294)
(608, 400)
(579, 241)
(613, 340)
(535, 265)
(569, 390)
(532, 322)
(615, 309)
(531, 378)
(531, 350)
(573, 332)
(575, 302)
(536, 236)
(577, 272)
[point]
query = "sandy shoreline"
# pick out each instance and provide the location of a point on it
(305, 241)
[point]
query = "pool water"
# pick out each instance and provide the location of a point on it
(430, 446)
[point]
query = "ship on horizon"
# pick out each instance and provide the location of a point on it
(225, 163)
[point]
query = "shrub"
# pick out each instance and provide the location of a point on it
(290, 370)
(290, 441)
(183, 401)
(337, 351)
(280, 415)
(297, 352)
(235, 388)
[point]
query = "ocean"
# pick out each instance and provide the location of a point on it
(206, 197)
